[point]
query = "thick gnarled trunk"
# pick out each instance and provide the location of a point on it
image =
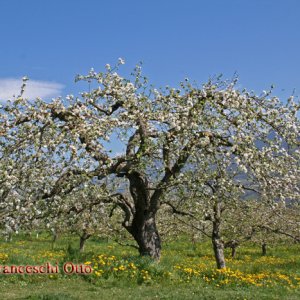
(143, 224)
(140, 216)
(145, 233)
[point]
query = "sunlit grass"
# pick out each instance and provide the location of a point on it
(181, 265)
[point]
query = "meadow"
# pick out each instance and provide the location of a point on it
(186, 271)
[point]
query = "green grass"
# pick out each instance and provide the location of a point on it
(184, 272)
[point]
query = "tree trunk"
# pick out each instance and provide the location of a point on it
(218, 251)
(143, 225)
(217, 242)
(233, 251)
(233, 244)
(264, 249)
(145, 233)
(54, 238)
(194, 242)
(8, 237)
(83, 238)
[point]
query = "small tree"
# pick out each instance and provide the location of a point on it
(252, 155)
(85, 212)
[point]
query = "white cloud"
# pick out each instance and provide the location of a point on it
(34, 88)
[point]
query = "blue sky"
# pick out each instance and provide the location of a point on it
(52, 41)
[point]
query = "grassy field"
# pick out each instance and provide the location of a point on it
(184, 272)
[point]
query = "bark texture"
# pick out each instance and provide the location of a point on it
(142, 214)
(145, 233)
(218, 244)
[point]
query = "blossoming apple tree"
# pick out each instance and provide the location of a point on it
(163, 134)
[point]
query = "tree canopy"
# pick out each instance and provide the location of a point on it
(216, 140)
